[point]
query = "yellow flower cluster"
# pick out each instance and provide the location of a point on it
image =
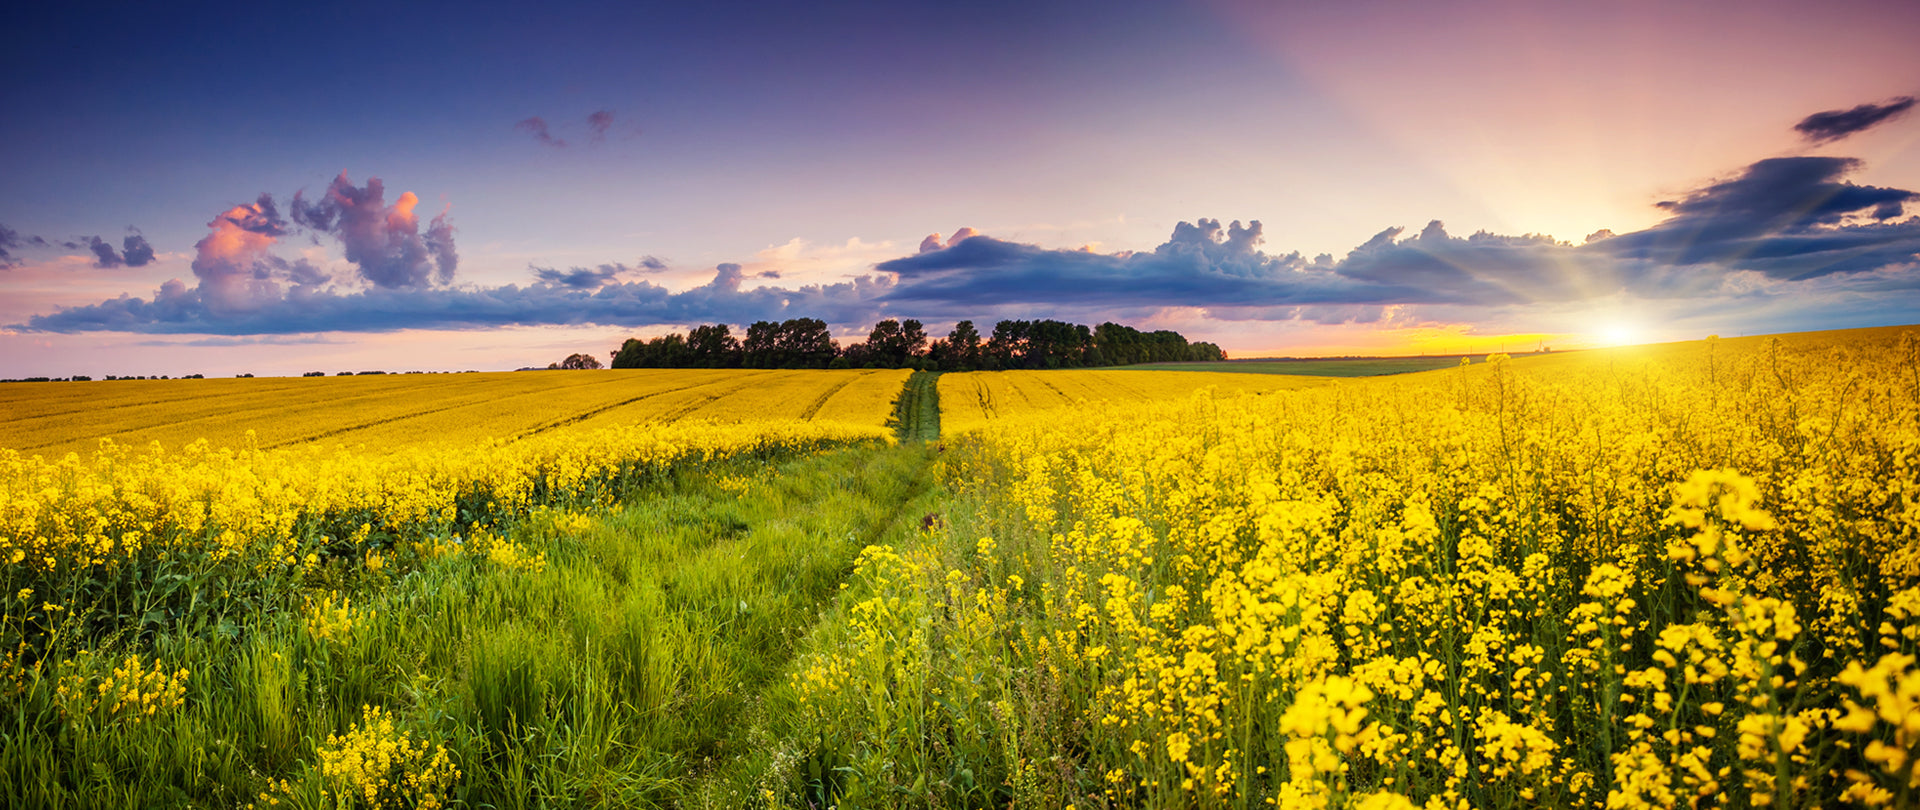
(334, 618)
(1891, 688)
(132, 691)
(377, 764)
(1626, 578)
(70, 515)
(507, 554)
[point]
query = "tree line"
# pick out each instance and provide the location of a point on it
(1013, 344)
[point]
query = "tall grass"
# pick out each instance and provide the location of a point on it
(588, 659)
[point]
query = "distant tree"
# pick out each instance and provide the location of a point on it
(806, 343)
(713, 347)
(666, 351)
(858, 355)
(963, 348)
(628, 355)
(761, 348)
(314, 374)
(892, 343)
(578, 361)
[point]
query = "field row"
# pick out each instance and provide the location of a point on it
(377, 413)
(974, 400)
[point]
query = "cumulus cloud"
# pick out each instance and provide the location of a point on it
(238, 275)
(383, 240)
(1788, 219)
(1780, 231)
(933, 241)
(103, 254)
(537, 127)
(137, 252)
(1832, 125)
(1200, 264)
(233, 262)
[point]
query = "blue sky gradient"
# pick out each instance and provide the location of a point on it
(814, 147)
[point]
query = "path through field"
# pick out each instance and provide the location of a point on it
(917, 414)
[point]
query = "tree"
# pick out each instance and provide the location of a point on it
(668, 351)
(578, 361)
(892, 343)
(963, 348)
(806, 343)
(713, 347)
(761, 348)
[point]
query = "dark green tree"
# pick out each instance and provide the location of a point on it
(713, 347)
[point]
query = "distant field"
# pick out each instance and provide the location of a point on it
(1315, 367)
(397, 410)
(971, 400)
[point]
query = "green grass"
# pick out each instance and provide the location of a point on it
(620, 675)
(916, 415)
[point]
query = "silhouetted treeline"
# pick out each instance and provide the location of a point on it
(806, 343)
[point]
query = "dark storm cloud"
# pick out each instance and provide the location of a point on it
(1790, 218)
(1832, 125)
(175, 309)
(537, 127)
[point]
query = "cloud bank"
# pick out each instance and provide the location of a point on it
(1781, 234)
(1780, 220)
(176, 309)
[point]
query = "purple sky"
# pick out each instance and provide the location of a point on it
(222, 189)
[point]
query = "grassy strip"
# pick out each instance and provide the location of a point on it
(581, 660)
(916, 415)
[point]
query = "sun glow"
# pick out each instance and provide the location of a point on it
(1620, 333)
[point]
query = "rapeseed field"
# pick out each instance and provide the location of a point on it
(1670, 576)
(972, 400)
(377, 413)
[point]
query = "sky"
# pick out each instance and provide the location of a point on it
(281, 188)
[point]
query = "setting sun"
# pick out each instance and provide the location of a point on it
(1620, 333)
